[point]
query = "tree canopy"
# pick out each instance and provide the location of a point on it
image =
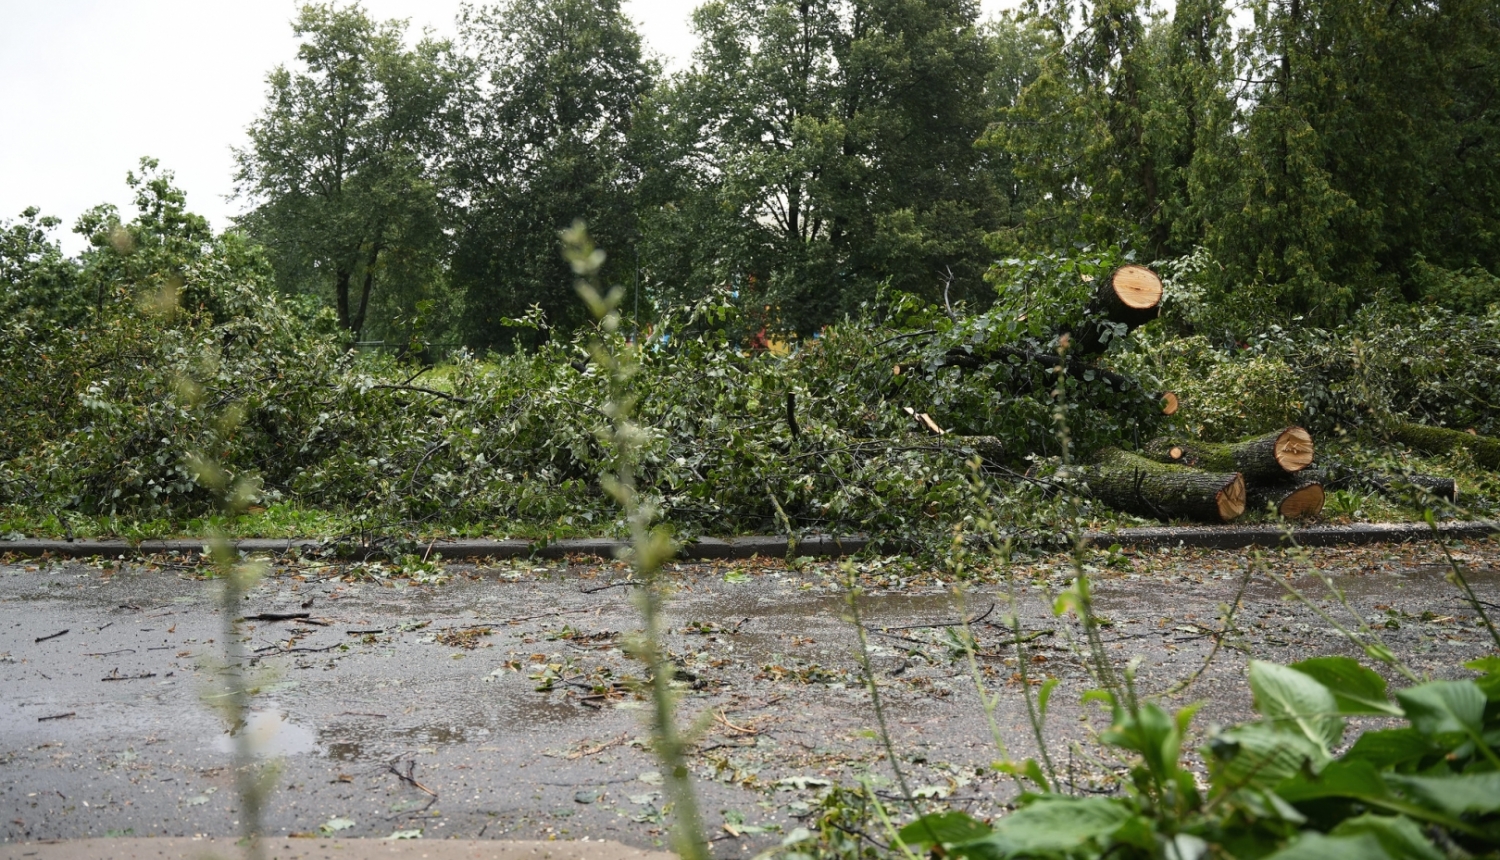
(818, 152)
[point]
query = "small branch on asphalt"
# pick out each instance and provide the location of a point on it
(974, 620)
(518, 619)
(277, 616)
(277, 649)
(57, 716)
(115, 675)
(599, 748)
(616, 584)
(409, 778)
(51, 636)
(110, 653)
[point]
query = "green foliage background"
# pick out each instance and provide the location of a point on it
(863, 206)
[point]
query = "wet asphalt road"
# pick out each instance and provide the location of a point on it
(393, 705)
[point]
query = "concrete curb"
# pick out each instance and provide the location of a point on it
(703, 548)
(196, 848)
(771, 546)
(1244, 537)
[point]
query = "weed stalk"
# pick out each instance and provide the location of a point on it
(650, 548)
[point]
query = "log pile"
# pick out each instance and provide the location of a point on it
(1276, 471)
(1186, 478)
(1212, 482)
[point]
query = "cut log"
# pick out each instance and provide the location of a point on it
(1169, 403)
(1130, 295)
(1292, 500)
(1438, 440)
(1137, 485)
(1262, 459)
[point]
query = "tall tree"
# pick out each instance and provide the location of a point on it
(549, 113)
(1080, 128)
(342, 162)
(833, 141)
(38, 284)
(1363, 149)
(149, 252)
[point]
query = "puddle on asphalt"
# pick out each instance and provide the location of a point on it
(272, 734)
(528, 717)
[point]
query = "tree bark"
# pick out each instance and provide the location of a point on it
(1294, 499)
(1437, 440)
(1391, 484)
(1397, 485)
(341, 295)
(1137, 485)
(1267, 458)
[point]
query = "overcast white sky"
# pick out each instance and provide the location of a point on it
(90, 86)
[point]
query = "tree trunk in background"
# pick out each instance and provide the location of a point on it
(1437, 440)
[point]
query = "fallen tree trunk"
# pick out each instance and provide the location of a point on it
(1391, 484)
(1438, 440)
(1131, 296)
(1137, 485)
(1292, 500)
(1267, 458)
(1399, 485)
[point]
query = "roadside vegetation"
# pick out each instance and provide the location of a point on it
(841, 264)
(163, 330)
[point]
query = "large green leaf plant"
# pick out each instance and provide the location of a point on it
(1275, 788)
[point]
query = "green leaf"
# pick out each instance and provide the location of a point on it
(945, 828)
(1151, 733)
(1444, 708)
(1453, 794)
(1033, 771)
(1352, 779)
(1258, 755)
(1053, 824)
(1398, 835)
(1293, 701)
(1359, 781)
(406, 834)
(1316, 846)
(1489, 682)
(1356, 689)
(1388, 748)
(1044, 695)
